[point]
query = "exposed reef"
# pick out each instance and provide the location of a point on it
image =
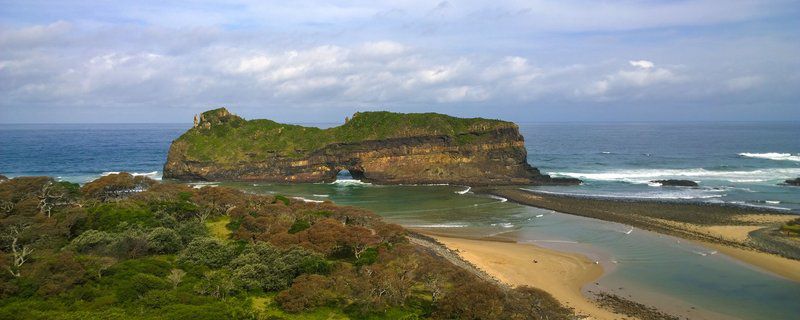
(676, 183)
(377, 147)
(792, 182)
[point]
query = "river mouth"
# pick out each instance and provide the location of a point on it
(672, 274)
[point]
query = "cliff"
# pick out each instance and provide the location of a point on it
(378, 147)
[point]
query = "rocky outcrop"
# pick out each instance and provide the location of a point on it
(793, 182)
(377, 147)
(676, 183)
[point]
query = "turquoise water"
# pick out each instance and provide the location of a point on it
(654, 269)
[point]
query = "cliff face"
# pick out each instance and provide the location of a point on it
(378, 147)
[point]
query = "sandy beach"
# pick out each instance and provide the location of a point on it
(560, 274)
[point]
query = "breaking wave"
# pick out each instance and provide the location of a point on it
(438, 225)
(350, 182)
(772, 156)
(645, 176)
(674, 195)
(307, 200)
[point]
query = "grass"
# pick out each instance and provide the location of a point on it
(231, 139)
(218, 228)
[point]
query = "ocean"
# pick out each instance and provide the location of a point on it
(739, 163)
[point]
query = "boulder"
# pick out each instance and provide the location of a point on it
(676, 183)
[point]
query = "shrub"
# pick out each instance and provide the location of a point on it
(299, 225)
(189, 230)
(163, 240)
(109, 216)
(116, 186)
(138, 285)
(306, 293)
(92, 240)
(209, 252)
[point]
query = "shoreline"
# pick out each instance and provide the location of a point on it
(561, 274)
(724, 228)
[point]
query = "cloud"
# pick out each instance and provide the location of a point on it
(403, 55)
(644, 74)
(644, 64)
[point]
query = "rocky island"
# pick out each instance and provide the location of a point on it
(376, 147)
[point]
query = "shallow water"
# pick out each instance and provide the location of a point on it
(658, 270)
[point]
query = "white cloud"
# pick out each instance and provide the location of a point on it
(644, 74)
(644, 64)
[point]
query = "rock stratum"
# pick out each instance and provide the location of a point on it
(375, 147)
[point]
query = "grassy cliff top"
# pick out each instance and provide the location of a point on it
(223, 137)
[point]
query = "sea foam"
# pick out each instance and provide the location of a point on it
(772, 156)
(646, 176)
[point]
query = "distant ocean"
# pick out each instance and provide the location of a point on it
(733, 162)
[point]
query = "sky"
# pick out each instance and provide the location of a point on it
(313, 61)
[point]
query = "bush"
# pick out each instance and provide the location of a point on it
(299, 225)
(190, 230)
(163, 240)
(261, 266)
(138, 285)
(307, 293)
(116, 186)
(209, 252)
(92, 240)
(109, 216)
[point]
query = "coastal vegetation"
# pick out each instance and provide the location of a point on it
(222, 137)
(127, 247)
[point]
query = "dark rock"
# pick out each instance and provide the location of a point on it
(676, 183)
(793, 182)
(3, 178)
(377, 147)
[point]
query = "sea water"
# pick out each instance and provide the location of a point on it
(733, 162)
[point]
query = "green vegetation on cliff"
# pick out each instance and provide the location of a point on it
(125, 247)
(222, 137)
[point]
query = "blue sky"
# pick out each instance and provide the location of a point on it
(312, 61)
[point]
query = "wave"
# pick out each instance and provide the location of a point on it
(464, 191)
(321, 195)
(146, 174)
(198, 185)
(498, 198)
(772, 156)
(645, 176)
(307, 200)
(438, 225)
(674, 195)
(503, 225)
(350, 182)
(549, 241)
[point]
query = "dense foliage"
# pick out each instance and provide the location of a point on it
(127, 247)
(226, 138)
